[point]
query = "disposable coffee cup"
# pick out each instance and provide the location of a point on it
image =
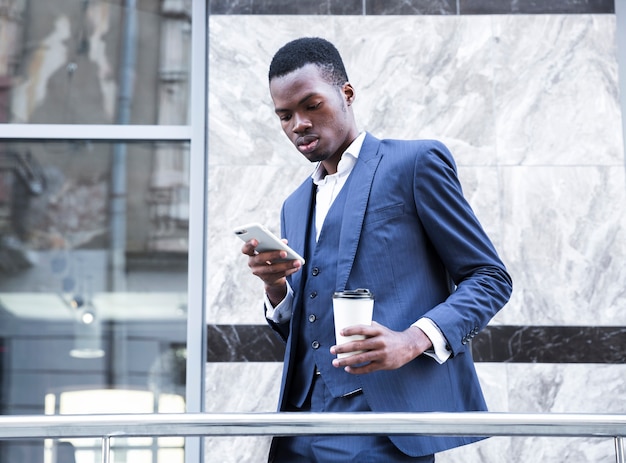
(351, 308)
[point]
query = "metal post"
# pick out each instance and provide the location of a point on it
(198, 178)
(117, 220)
(619, 450)
(106, 449)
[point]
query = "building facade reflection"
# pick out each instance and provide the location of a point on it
(93, 235)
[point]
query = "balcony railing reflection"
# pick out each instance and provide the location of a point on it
(257, 424)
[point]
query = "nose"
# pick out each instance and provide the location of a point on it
(300, 123)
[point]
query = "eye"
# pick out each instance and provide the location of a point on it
(314, 106)
(285, 118)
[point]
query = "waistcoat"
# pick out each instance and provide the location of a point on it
(316, 330)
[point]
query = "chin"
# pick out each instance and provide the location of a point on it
(312, 157)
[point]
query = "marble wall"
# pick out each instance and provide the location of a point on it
(529, 106)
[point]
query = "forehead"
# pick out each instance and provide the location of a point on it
(298, 84)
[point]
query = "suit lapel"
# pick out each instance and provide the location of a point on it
(356, 204)
(298, 220)
(300, 217)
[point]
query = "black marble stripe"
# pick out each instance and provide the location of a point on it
(536, 6)
(286, 7)
(410, 7)
(551, 344)
(510, 344)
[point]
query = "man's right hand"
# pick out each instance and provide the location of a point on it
(268, 267)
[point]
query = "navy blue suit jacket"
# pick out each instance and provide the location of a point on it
(409, 235)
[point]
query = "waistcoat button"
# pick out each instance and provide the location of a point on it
(313, 294)
(315, 272)
(312, 318)
(315, 345)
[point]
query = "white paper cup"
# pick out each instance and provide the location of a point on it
(351, 308)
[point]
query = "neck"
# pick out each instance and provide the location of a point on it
(330, 168)
(330, 164)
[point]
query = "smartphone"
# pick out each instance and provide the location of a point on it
(267, 240)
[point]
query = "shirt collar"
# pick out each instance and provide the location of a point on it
(346, 163)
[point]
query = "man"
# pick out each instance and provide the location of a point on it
(389, 216)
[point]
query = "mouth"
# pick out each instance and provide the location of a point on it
(307, 143)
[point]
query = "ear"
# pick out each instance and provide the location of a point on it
(348, 93)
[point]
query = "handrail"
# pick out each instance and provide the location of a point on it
(256, 424)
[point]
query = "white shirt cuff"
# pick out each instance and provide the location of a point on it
(439, 351)
(282, 312)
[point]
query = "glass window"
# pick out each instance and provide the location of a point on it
(93, 288)
(95, 62)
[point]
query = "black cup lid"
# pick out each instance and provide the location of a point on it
(360, 293)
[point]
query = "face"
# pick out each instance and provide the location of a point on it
(315, 115)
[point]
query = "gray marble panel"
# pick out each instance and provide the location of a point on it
(528, 388)
(532, 449)
(564, 240)
(245, 388)
(556, 90)
(239, 195)
(430, 79)
(243, 129)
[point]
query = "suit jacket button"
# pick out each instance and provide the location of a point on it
(315, 272)
(312, 318)
(315, 345)
(313, 294)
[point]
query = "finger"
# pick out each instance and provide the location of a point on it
(357, 364)
(278, 266)
(249, 247)
(271, 257)
(363, 369)
(269, 272)
(362, 354)
(263, 260)
(365, 330)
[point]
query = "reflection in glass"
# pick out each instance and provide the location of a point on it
(135, 450)
(93, 287)
(94, 62)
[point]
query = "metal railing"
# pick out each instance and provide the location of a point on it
(289, 424)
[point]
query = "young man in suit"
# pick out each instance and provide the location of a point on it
(390, 216)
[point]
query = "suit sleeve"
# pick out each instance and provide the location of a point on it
(482, 285)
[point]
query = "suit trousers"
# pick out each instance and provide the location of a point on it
(338, 449)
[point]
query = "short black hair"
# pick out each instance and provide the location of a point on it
(309, 50)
